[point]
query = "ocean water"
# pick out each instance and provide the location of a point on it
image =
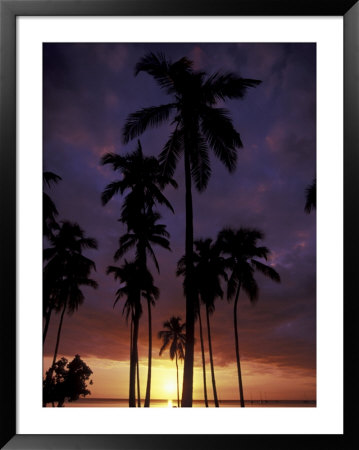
(123, 403)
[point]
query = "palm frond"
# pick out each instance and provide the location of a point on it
(171, 153)
(166, 341)
(110, 190)
(200, 165)
(153, 256)
(227, 86)
(127, 241)
(266, 270)
(221, 136)
(250, 286)
(167, 74)
(261, 252)
(157, 66)
(51, 177)
(88, 243)
(138, 122)
(117, 161)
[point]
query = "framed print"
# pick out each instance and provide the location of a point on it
(72, 115)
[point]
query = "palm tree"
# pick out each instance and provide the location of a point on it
(241, 248)
(142, 177)
(174, 337)
(144, 233)
(49, 209)
(198, 126)
(69, 269)
(135, 282)
(49, 224)
(209, 269)
(311, 197)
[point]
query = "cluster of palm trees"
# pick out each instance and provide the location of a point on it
(66, 268)
(198, 126)
(232, 259)
(143, 182)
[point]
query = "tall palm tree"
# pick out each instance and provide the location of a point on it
(135, 282)
(209, 270)
(197, 126)
(174, 337)
(143, 234)
(311, 197)
(144, 182)
(49, 225)
(69, 269)
(242, 249)
(181, 270)
(129, 311)
(49, 208)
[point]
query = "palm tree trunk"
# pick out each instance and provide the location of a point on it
(187, 390)
(47, 322)
(203, 358)
(138, 381)
(178, 402)
(237, 348)
(58, 334)
(148, 388)
(133, 360)
(216, 404)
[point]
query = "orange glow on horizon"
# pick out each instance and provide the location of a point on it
(110, 380)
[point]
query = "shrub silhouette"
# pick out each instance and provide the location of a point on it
(67, 382)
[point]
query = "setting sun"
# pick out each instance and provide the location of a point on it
(170, 387)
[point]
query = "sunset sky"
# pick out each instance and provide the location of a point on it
(89, 90)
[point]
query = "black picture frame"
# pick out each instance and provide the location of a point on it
(9, 10)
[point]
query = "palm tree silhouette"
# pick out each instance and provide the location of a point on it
(142, 178)
(136, 282)
(49, 209)
(209, 269)
(69, 269)
(198, 126)
(128, 275)
(241, 248)
(144, 233)
(311, 197)
(174, 337)
(49, 224)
